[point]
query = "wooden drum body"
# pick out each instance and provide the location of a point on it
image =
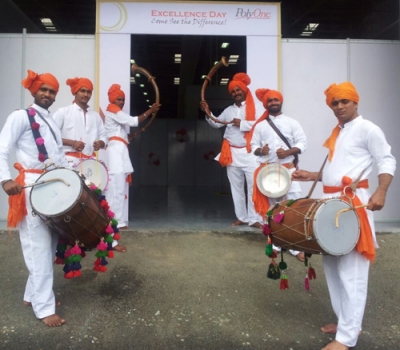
(309, 225)
(72, 211)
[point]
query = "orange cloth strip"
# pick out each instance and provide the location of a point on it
(117, 138)
(261, 203)
(331, 141)
(129, 178)
(80, 155)
(365, 244)
(113, 108)
(17, 203)
(225, 157)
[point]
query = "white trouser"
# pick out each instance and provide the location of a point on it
(237, 177)
(272, 201)
(116, 197)
(347, 278)
(38, 247)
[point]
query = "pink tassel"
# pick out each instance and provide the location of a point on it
(307, 283)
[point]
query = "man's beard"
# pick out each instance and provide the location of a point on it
(274, 109)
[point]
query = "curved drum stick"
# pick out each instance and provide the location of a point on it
(46, 181)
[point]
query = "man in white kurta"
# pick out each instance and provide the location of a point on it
(243, 164)
(355, 144)
(82, 128)
(117, 126)
(37, 241)
(271, 149)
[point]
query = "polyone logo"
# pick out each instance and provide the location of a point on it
(249, 14)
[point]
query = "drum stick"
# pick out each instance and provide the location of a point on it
(80, 160)
(46, 181)
(344, 210)
(97, 160)
(317, 178)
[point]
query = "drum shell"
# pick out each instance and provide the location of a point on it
(84, 221)
(298, 228)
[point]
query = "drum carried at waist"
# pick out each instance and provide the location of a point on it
(315, 226)
(70, 207)
(274, 180)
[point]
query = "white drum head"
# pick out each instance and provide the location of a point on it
(274, 180)
(94, 171)
(340, 240)
(54, 198)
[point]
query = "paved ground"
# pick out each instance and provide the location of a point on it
(197, 290)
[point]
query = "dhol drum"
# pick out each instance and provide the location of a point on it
(315, 226)
(94, 171)
(274, 180)
(69, 207)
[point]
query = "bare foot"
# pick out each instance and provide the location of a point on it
(301, 257)
(335, 345)
(28, 303)
(120, 248)
(238, 223)
(123, 228)
(53, 321)
(256, 225)
(330, 328)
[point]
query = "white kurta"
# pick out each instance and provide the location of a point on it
(243, 163)
(359, 144)
(37, 242)
(76, 125)
(119, 163)
(294, 134)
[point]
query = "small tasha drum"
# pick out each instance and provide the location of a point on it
(94, 171)
(315, 226)
(274, 180)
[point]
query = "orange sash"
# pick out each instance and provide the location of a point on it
(365, 244)
(117, 138)
(261, 203)
(17, 203)
(225, 158)
(80, 155)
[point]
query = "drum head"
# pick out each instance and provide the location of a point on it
(336, 240)
(54, 198)
(94, 171)
(274, 180)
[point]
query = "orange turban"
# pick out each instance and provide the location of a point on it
(264, 94)
(114, 92)
(344, 90)
(34, 81)
(77, 83)
(241, 80)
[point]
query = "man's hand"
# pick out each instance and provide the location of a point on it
(155, 107)
(98, 144)
(265, 150)
(236, 122)
(281, 153)
(78, 146)
(303, 175)
(12, 188)
(204, 106)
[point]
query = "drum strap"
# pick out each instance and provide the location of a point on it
(273, 126)
(17, 203)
